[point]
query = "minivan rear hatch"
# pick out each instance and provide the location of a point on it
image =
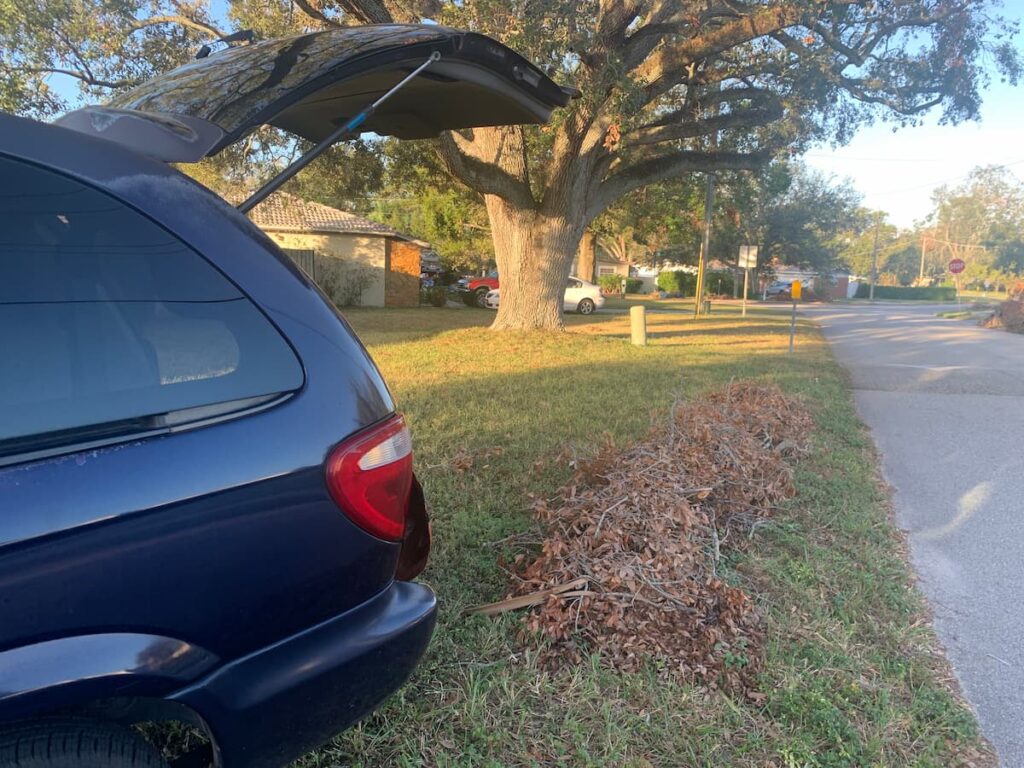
(311, 84)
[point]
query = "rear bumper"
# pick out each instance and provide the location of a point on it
(268, 708)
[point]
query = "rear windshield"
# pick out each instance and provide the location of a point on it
(109, 325)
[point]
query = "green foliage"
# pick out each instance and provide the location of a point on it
(800, 225)
(422, 200)
(435, 295)
(677, 281)
(719, 283)
(344, 285)
(982, 222)
(347, 176)
(613, 284)
(665, 218)
(931, 293)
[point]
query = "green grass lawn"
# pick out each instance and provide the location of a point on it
(634, 300)
(852, 677)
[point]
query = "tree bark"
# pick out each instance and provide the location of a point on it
(534, 251)
(586, 261)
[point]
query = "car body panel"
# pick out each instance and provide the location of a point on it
(310, 84)
(274, 705)
(83, 553)
(66, 670)
(577, 290)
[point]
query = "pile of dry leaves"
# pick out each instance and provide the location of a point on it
(1009, 315)
(629, 566)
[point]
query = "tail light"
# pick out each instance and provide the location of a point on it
(370, 477)
(416, 544)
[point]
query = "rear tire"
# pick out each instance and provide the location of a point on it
(586, 307)
(76, 744)
(481, 297)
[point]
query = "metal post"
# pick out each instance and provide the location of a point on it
(705, 245)
(924, 246)
(747, 285)
(275, 183)
(638, 325)
(874, 260)
(792, 328)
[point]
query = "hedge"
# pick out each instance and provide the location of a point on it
(684, 283)
(613, 284)
(719, 283)
(932, 292)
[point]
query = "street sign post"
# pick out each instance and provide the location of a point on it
(795, 291)
(747, 262)
(956, 266)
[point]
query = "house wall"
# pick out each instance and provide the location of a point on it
(601, 267)
(612, 268)
(402, 281)
(344, 264)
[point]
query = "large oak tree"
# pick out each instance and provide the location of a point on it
(667, 87)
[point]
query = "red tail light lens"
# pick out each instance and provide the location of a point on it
(370, 477)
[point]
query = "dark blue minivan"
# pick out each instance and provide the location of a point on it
(208, 512)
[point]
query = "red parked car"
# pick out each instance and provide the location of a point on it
(474, 290)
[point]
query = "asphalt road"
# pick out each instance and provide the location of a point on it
(945, 402)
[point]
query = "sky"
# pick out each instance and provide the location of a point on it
(897, 171)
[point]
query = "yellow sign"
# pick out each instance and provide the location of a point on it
(794, 290)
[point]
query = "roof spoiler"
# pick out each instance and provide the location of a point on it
(173, 139)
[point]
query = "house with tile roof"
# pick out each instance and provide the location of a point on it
(357, 262)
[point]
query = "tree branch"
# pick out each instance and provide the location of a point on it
(77, 74)
(485, 176)
(669, 65)
(768, 112)
(180, 20)
(667, 165)
(315, 13)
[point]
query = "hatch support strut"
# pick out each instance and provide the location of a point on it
(275, 183)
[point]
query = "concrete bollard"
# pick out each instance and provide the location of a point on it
(638, 326)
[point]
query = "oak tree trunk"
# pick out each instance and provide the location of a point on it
(586, 267)
(534, 251)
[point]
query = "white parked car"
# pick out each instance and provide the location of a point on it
(580, 296)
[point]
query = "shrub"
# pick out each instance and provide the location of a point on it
(436, 295)
(683, 283)
(719, 283)
(344, 285)
(931, 292)
(613, 284)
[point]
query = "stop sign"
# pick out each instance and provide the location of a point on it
(956, 266)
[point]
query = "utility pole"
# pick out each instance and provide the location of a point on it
(709, 204)
(924, 246)
(705, 245)
(874, 257)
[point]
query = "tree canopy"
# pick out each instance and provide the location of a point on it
(667, 88)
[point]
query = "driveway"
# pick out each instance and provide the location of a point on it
(945, 402)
